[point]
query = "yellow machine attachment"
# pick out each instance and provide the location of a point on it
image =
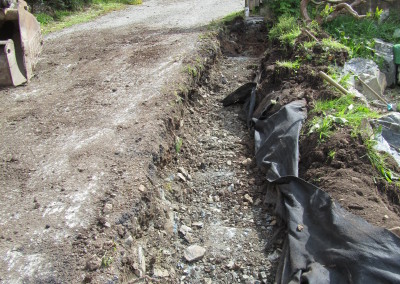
(20, 43)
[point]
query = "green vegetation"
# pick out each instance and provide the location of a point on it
(341, 111)
(341, 79)
(329, 44)
(287, 7)
(178, 144)
(286, 30)
(358, 35)
(60, 19)
(215, 24)
(106, 260)
(348, 35)
(289, 64)
(345, 111)
(378, 160)
(230, 17)
(195, 69)
(332, 154)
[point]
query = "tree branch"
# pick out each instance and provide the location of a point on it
(349, 8)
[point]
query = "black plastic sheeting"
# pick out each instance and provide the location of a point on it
(324, 243)
(277, 140)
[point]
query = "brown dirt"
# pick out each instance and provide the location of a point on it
(349, 177)
(81, 141)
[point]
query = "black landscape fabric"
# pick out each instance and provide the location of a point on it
(324, 243)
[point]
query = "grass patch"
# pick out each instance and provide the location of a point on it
(378, 160)
(178, 144)
(343, 79)
(344, 111)
(215, 24)
(308, 45)
(341, 111)
(329, 44)
(286, 30)
(288, 64)
(64, 18)
(358, 35)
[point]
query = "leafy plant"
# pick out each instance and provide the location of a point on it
(359, 35)
(332, 154)
(192, 71)
(287, 7)
(106, 260)
(292, 65)
(286, 30)
(378, 160)
(341, 79)
(178, 144)
(328, 9)
(341, 111)
(329, 44)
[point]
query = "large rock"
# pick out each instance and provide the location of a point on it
(194, 252)
(369, 72)
(384, 55)
(396, 33)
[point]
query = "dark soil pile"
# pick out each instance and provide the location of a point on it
(339, 165)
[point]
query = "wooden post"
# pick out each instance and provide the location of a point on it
(251, 5)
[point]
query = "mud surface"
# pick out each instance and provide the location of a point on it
(81, 138)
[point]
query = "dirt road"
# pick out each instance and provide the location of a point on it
(85, 130)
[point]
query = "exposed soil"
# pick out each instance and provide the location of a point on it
(109, 176)
(80, 139)
(349, 176)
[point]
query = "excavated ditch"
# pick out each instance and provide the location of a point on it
(209, 214)
(212, 191)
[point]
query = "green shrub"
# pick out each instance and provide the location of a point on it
(285, 7)
(359, 35)
(286, 30)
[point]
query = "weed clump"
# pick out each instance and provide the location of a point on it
(286, 30)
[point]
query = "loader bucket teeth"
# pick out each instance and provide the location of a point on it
(10, 73)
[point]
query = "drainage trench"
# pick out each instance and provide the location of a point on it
(213, 193)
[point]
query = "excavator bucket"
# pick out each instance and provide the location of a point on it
(20, 44)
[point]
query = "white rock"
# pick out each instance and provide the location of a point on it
(194, 253)
(181, 177)
(142, 188)
(369, 72)
(141, 261)
(107, 208)
(160, 272)
(248, 198)
(185, 229)
(183, 171)
(198, 224)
